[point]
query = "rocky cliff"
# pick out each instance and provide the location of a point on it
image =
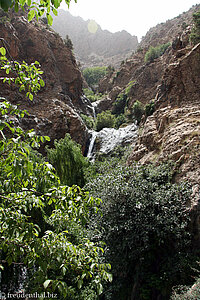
(172, 81)
(55, 110)
(94, 47)
(147, 76)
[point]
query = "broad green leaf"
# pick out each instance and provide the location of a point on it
(42, 83)
(3, 51)
(50, 19)
(31, 15)
(99, 288)
(80, 283)
(55, 12)
(46, 283)
(30, 96)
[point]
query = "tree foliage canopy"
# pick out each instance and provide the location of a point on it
(42, 223)
(68, 161)
(144, 223)
(37, 8)
(93, 75)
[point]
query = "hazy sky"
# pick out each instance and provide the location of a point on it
(135, 16)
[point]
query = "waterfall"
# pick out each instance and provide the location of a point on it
(109, 138)
(91, 145)
(93, 111)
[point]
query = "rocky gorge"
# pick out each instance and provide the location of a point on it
(170, 132)
(171, 80)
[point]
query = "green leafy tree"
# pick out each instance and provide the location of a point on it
(93, 96)
(43, 225)
(68, 161)
(120, 119)
(144, 221)
(26, 77)
(94, 74)
(105, 119)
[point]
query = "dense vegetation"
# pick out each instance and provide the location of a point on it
(44, 243)
(104, 119)
(121, 113)
(89, 93)
(144, 221)
(93, 75)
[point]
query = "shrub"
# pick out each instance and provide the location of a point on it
(155, 52)
(138, 110)
(129, 87)
(93, 96)
(68, 42)
(183, 292)
(89, 121)
(145, 220)
(105, 119)
(149, 108)
(68, 161)
(119, 104)
(139, 49)
(119, 120)
(195, 34)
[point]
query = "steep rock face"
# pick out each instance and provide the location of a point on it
(147, 76)
(55, 109)
(180, 83)
(94, 48)
(173, 131)
(164, 32)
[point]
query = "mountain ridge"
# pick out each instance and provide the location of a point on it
(94, 49)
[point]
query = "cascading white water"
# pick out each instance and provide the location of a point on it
(91, 145)
(109, 138)
(93, 111)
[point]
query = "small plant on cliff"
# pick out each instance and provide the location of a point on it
(138, 110)
(149, 108)
(195, 34)
(155, 52)
(119, 104)
(68, 42)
